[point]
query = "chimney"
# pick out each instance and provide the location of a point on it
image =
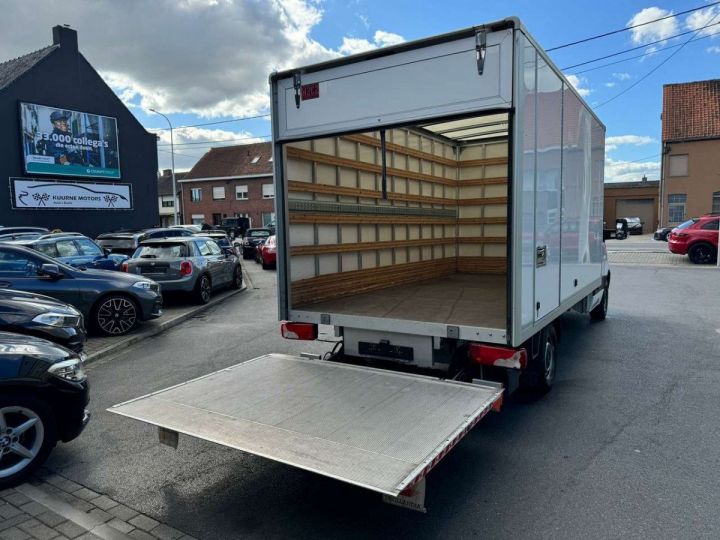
(167, 172)
(66, 37)
(644, 178)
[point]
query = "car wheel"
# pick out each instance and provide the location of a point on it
(599, 312)
(237, 281)
(115, 315)
(539, 375)
(28, 433)
(203, 289)
(701, 254)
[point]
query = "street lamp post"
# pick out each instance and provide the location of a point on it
(172, 161)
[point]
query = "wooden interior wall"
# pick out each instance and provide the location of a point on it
(443, 212)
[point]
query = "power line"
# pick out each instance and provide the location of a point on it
(626, 28)
(639, 46)
(653, 70)
(239, 119)
(634, 160)
(693, 40)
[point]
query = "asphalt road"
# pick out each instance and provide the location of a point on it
(626, 445)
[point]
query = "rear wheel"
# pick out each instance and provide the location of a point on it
(702, 253)
(539, 375)
(28, 433)
(115, 315)
(203, 290)
(599, 312)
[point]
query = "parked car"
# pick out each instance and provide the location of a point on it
(16, 230)
(76, 250)
(662, 233)
(11, 237)
(127, 241)
(635, 226)
(190, 227)
(235, 227)
(194, 265)
(112, 303)
(250, 241)
(42, 316)
(266, 253)
(697, 237)
(43, 395)
(221, 238)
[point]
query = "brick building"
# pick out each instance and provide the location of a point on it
(690, 184)
(632, 199)
(230, 181)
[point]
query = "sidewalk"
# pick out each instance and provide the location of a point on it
(51, 507)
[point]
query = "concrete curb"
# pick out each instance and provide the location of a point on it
(161, 327)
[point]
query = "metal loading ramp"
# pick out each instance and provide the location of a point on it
(377, 429)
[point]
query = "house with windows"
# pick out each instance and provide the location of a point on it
(690, 181)
(166, 201)
(230, 181)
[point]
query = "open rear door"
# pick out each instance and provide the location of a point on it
(377, 429)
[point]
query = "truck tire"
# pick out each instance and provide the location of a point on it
(22, 452)
(599, 312)
(539, 375)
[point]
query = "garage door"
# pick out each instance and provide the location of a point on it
(642, 208)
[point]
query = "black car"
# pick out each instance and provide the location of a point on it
(635, 226)
(221, 239)
(252, 239)
(127, 241)
(235, 227)
(112, 303)
(663, 233)
(42, 316)
(43, 395)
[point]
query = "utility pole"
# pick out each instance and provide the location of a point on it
(172, 161)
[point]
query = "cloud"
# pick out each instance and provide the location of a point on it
(610, 84)
(381, 38)
(704, 17)
(211, 58)
(623, 171)
(654, 31)
(621, 76)
(611, 143)
(713, 49)
(578, 83)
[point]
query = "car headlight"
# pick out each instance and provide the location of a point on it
(69, 370)
(146, 285)
(57, 319)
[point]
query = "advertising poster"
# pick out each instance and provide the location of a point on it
(61, 142)
(41, 194)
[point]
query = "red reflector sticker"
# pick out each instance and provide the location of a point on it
(310, 91)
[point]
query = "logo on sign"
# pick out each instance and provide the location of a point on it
(310, 91)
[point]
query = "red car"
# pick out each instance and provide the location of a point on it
(266, 254)
(697, 237)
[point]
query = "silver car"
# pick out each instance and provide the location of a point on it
(192, 265)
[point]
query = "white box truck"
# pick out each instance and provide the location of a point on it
(440, 203)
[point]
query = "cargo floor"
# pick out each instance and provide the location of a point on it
(459, 299)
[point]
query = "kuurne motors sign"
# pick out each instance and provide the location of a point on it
(59, 195)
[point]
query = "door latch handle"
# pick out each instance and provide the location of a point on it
(540, 256)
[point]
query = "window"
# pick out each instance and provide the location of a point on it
(218, 192)
(268, 218)
(268, 191)
(198, 219)
(715, 202)
(161, 251)
(676, 207)
(47, 249)
(15, 264)
(217, 218)
(67, 248)
(204, 248)
(214, 248)
(711, 225)
(679, 165)
(88, 247)
(255, 159)
(196, 194)
(167, 204)
(241, 193)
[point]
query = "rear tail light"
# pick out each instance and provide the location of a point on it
(185, 268)
(124, 267)
(493, 355)
(302, 331)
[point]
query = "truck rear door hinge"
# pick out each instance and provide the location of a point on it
(480, 49)
(297, 84)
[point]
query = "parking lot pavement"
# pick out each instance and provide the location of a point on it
(652, 258)
(174, 312)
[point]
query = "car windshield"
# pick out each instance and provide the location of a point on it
(687, 223)
(258, 234)
(161, 251)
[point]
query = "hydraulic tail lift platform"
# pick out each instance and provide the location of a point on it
(377, 429)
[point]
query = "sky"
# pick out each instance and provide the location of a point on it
(208, 61)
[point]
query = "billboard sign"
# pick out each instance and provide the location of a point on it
(41, 194)
(61, 142)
